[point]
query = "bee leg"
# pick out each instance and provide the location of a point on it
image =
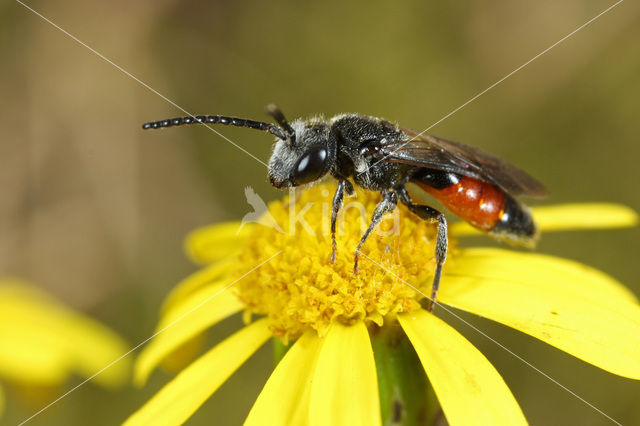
(338, 199)
(430, 214)
(386, 205)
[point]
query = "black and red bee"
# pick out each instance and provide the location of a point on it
(381, 156)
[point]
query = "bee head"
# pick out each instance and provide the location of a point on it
(305, 155)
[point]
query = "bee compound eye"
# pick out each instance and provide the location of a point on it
(310, 166)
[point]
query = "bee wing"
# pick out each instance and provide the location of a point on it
(429, 151)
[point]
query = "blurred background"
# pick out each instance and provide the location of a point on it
(94, 210)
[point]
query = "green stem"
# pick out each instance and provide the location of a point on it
(279, 350)
(406, 396)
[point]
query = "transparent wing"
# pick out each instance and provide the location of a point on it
(432, 152)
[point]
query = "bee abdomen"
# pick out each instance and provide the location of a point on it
(516, 224)
(477, 202)
(481, 204)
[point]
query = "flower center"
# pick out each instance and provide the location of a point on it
(300, 288)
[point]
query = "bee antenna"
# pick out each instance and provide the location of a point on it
(218, 119)
(277, 115)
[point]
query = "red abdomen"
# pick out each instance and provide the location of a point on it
(479, 203)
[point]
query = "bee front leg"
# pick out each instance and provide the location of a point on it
(338, 200)
(386, 205)
(442, 243)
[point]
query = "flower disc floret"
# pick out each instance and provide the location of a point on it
(300, 288)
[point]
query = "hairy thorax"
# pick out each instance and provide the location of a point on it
(358, 158)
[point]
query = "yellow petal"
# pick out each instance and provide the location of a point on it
(204, 277)
(184, 355)
(184, 322)
(31, 356)
(568, 217)
(95, 347)
(344, 391)
(568, 305)
(1, 401)
(44, 342)
(470, 390)
(543, 270)
(182, 396)
(210, 243)
(284, 400)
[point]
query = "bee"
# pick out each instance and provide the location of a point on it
(378, 155)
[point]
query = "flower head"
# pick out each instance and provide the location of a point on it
(44, 343)
(301, 289)
(330, 375)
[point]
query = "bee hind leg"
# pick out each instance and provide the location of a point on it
(430, 214)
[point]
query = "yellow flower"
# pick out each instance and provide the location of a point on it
(42, 343)
(329, 374)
